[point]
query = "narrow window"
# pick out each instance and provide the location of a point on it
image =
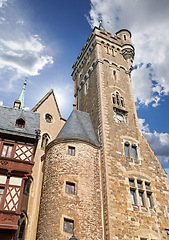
(71, 151)
(113, 98)
(1, 193)
(27, 186)
(125, 37)
(45, 140)
(122, 102)
(126, 147)
(68, 225)
(134, 152)
(117, 98)
(7, 150)
(22, 231)
(114, 74)
(149, 200)
(141, 199)
(133, 198)
(70, 188)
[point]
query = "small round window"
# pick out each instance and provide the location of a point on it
(48, 118)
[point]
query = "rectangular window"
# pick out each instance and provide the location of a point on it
(147, 185)
(131, 183)
(139, 184)
(71, 151)
(141, 199)
(149, 200)
(126, 147)
(70, 188)
(1, 193)
(7, 150)
(133, 198)
(134, 152)
(68, 225)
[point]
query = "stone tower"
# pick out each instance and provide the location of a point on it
(101, 178)
(135, 185)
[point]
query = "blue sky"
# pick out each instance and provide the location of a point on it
(41, 40)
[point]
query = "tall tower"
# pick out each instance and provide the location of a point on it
(135, 185)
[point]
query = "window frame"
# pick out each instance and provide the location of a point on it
(69, 186)
(68, 222)
(71, 150)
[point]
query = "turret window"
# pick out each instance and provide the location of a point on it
(71, 150)
(68, 225)
(70, 188)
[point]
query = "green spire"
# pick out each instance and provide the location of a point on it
(22, 95)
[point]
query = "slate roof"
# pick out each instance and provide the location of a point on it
(8, 117)
(79, 126)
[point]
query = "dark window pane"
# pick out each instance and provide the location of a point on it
(149, 200)
(126, 150)
(141, 199)
(133, 200)
(134, 152)
(139, 183)
(131, 182)
(71, 151)
(68, 225)
(70, 187)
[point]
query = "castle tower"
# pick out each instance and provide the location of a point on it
(135, 185)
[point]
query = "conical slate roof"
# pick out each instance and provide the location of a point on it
(78, 126)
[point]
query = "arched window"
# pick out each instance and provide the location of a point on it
(20, 123)
(45, 140)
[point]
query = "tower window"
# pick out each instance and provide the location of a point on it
(71, 150)
(7, 150)
(114, 99)
(127, 151)
(20, 123)
(141, 199)
(125, 37)
(114, 74)
(68, 225)
(45, 140)
(70, 188)
(140, 192)
(149, 200)
(117, 98)
(133, 198)
(134, 152)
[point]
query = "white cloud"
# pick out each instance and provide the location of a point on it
(158, 141)
(3, 2)
(149, 23)
(22, 52)
(1, 103)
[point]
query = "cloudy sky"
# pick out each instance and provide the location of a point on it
(41, 39)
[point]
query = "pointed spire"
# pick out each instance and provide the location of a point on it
(22, 95)
(100, 24)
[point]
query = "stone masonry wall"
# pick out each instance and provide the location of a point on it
(84, 208)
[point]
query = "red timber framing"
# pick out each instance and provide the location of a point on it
(16, 163)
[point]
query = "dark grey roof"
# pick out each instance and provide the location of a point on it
(8, 117)
(78, 126)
